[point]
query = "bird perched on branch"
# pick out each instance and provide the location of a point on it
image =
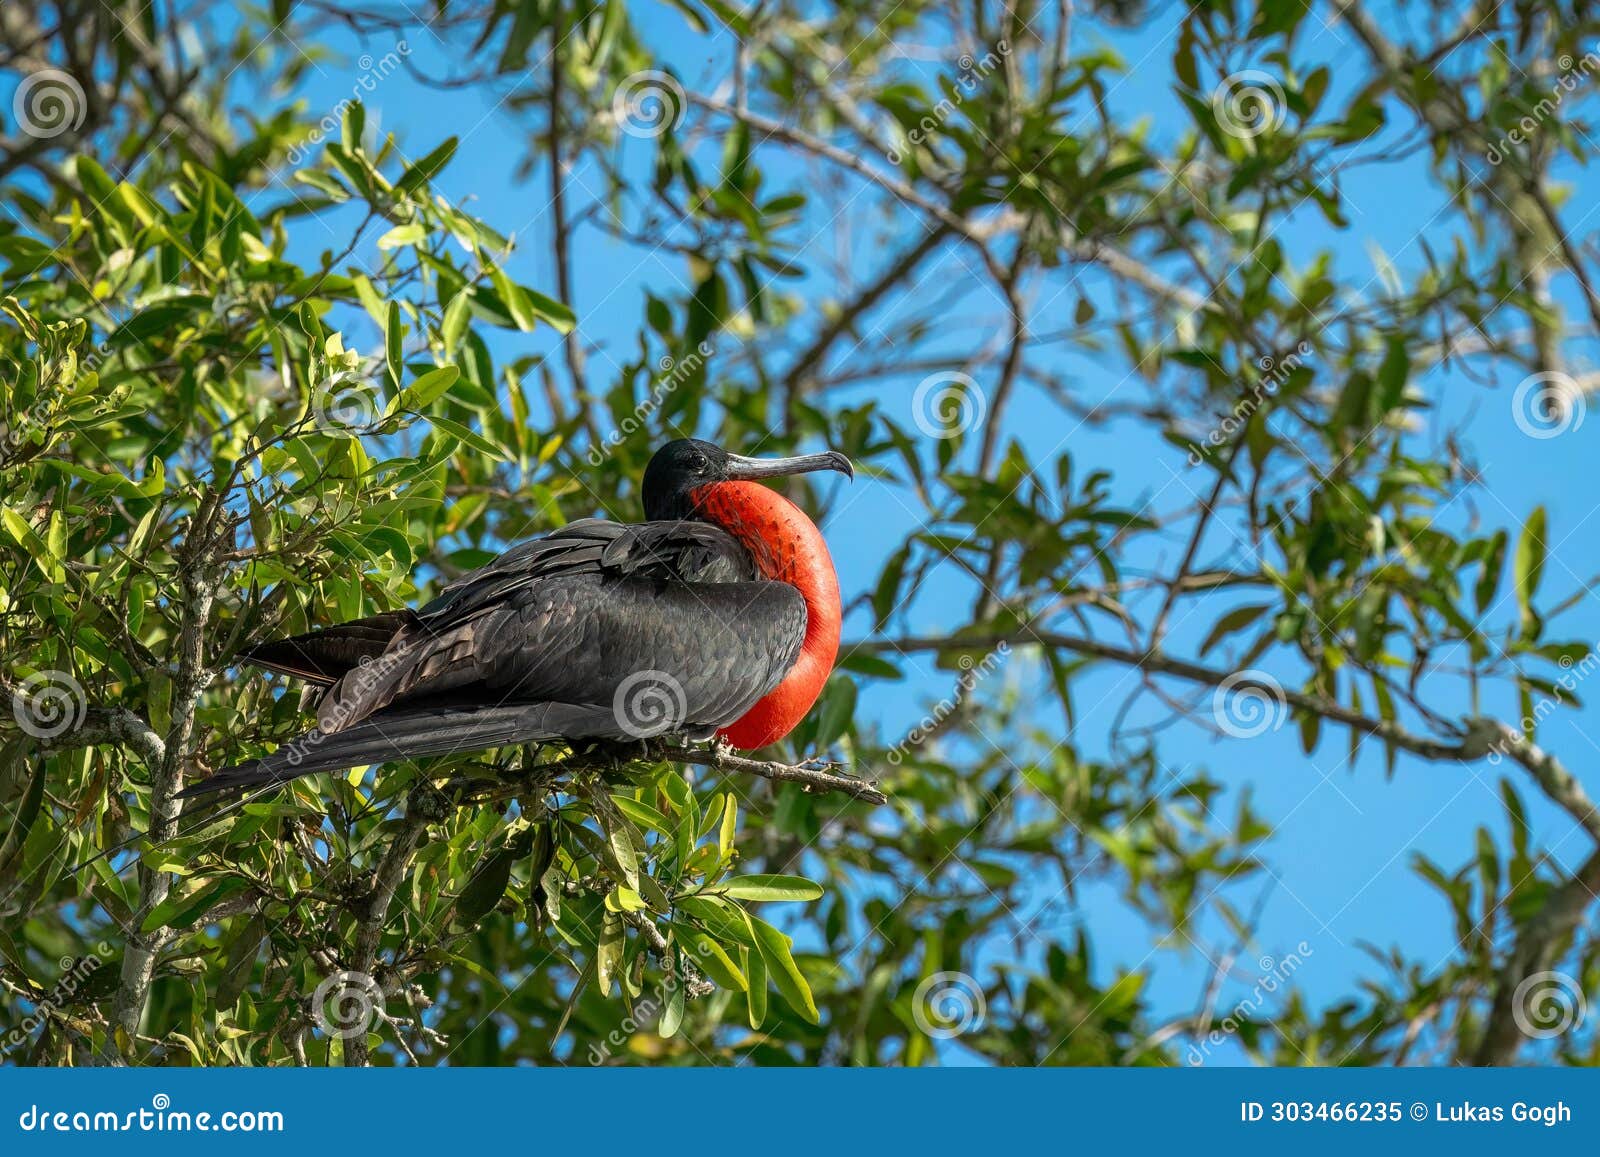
(717, 617)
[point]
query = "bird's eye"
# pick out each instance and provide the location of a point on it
(697, 463)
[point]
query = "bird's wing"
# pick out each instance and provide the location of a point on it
(699, 654)
(680, 551)
(604, 659)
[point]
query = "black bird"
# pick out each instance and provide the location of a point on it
(718, 616)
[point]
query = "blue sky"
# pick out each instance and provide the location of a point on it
(1345, 834)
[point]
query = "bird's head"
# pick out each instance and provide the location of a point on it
(682, 466)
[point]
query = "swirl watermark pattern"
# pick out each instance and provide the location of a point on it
(948, 1004)
(48, 704)
(649, 703)
(1249, 703)
(347, 405)
(345, 1005)
(947, 405)
(1548, 1004)
(1249, 103)
(649, 103)
(49, 103)
(1547, 405)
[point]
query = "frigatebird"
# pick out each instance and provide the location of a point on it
(718, 617)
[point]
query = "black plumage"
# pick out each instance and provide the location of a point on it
(600, 630)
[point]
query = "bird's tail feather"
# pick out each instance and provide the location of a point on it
(413, 733)
(324, 655)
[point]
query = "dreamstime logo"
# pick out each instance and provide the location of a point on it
(49, 103)
(1548, 1004)
(948, 1004)
(75, 971)
(1547, 405)
(346, 1004)
(1572, 74)
(1564, 688)
(971, 675)
(947, 404)
(372, 71)
(1274, 974)
(649, 703)
(973, 71)
(48, 704)
(1275, 372)
(648, 103)
(347, 405)
(1249, 703)
(672, 373)
(1249, 103)
(646, 1011)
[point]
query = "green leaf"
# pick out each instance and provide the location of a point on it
(643, 813)
(767, 887)
(183, 909)
(393, 337)
(1528, 569)
(1235, 620)
(412, 234)
(712, 959)
(608, 953)
(427, 389)
(424, 170)
(777, 955)
(755, 992)
(672, 1014)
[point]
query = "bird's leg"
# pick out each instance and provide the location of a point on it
(720, 747)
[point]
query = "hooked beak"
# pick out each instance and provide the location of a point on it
(742, 469)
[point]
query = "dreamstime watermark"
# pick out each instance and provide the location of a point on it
(949, 1004)
(160, 1117)
(1274, 373)
(354, 687)
(36, 416)
(1275, 974)
(649, 703)
(672, 374)
(973, 70)
(646, 1011)
(1547, 405)
(1573, 73)
(373, 71)
(1548, 1004)
(648, 103)
(49, 704)
(1249, 103)
(75, 972)
(1573, 672)
(1249, 703)
(347, 1004)
(48, 103)
(947, 404)
(971, 675)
